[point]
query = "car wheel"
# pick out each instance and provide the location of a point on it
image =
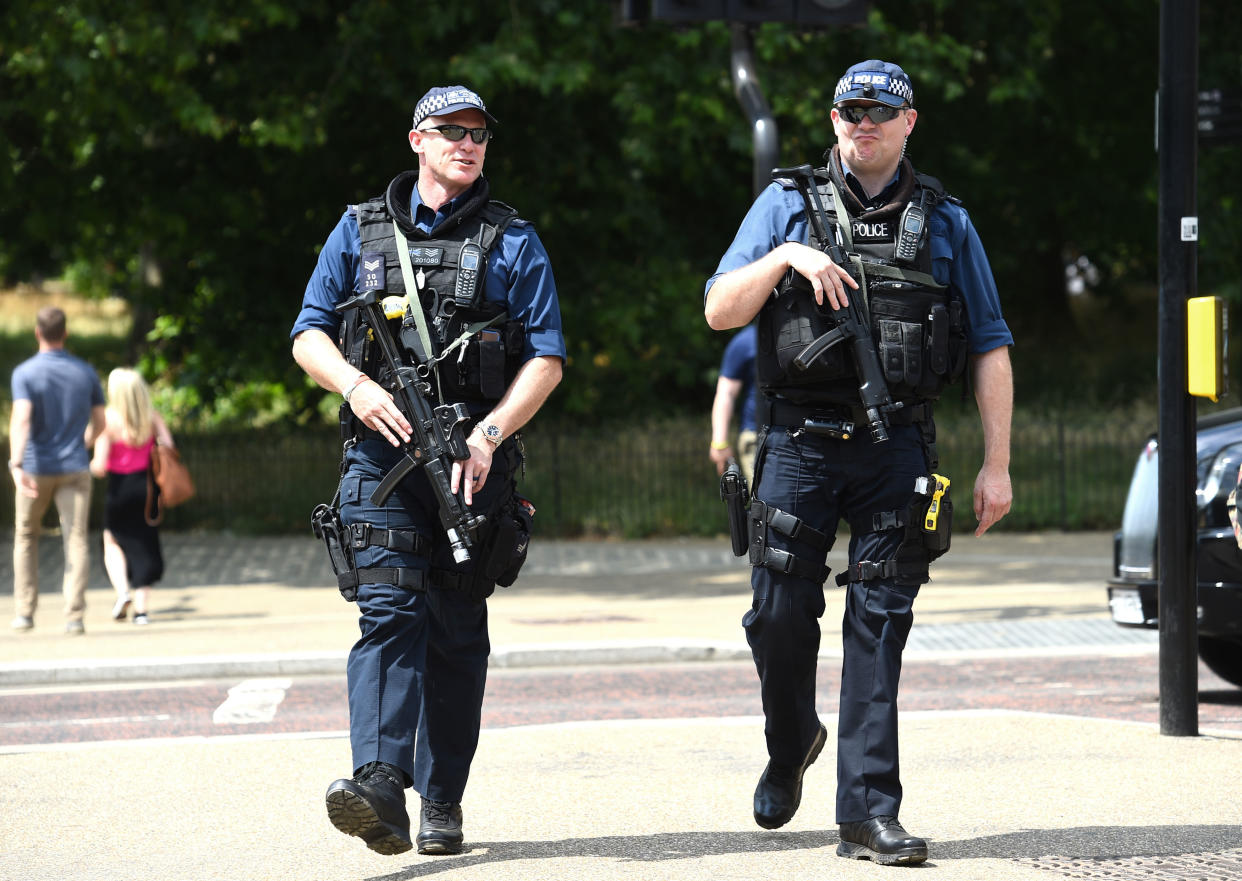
(1223, 657)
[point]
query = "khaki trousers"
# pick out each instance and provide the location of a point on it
(72, 494)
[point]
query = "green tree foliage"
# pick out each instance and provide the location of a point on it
(193, 157)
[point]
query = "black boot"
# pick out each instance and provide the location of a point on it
(439, 831)
(780, 788)
(372, 807)
(881, 839)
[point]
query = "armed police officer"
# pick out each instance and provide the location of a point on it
(872, 291)
(433, 311)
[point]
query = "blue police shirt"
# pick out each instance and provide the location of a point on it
(519, 274)
(778, 215)
(739, 363)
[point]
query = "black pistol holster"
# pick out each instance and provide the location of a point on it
(343, 541)
(327, 526)
(736, 496)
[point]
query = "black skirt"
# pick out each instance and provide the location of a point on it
(125, 518)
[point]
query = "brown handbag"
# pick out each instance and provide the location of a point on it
(169, 475)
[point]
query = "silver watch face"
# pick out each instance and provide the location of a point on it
(493, 433)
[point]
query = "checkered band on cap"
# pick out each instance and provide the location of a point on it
(878, 80)
(448, 99)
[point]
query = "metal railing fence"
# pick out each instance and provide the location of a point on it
(643, 480)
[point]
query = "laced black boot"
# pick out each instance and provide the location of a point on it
(439, 831)
(372, 807)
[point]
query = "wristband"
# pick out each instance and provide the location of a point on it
(720, 445)
(362, 377)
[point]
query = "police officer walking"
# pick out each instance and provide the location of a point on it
(477, 316)
(834, 447)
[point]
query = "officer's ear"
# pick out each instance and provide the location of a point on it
(910, 116)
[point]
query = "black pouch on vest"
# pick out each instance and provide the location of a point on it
(901, 352)
(794, 322)
(491, 364)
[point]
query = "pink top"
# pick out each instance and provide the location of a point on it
(124, 459)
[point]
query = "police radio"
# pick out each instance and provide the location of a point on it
(909, 232)
(469, 266)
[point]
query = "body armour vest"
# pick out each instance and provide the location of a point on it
(917, 326)
(476, 347)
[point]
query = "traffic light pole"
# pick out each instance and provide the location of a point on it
(754, 105)
(1176, 132)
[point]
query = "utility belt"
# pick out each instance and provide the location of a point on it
(833, 420)
(502, 548)
(477, 587)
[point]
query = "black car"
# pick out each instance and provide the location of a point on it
(1132, 589)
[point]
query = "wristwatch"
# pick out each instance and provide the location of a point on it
(491, 432)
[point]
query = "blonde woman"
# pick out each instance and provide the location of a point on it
(131, 546)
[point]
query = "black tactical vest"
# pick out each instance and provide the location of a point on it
(479, 348)
(918, 327)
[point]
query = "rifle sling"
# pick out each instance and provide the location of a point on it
(847, 236)
(411, 294)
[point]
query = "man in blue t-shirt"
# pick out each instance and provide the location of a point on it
(736, 383)
(58, 411)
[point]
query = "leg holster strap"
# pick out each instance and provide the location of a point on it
(363, 535)
(787, 524)
(410, 579)
(882, 522)
(787, 564)
(910, 569)
(868, 571)
(763, 517)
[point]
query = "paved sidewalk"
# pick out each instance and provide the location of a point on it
(267, 606)
(1000, 796)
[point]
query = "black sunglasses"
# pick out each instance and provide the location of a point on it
(878, 113)
(457, 132)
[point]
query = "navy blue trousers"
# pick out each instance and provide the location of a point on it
(417, 673)
(822, 481)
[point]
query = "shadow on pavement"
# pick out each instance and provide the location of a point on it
(627, 848)
(1110, 842)
(1116, 842)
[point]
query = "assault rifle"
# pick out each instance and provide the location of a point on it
(853, 325)
(438, 439)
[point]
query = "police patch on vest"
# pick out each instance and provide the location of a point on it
(426, 256)
(872, 231)
(372, 273)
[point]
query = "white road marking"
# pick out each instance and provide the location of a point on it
(251, 702)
